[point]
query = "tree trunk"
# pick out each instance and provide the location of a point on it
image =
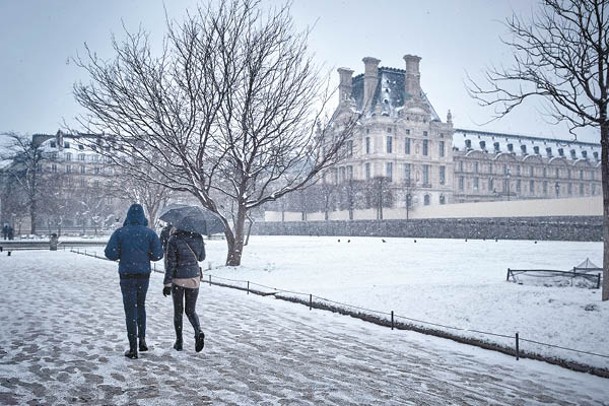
(235, 245)
(605, 183)
(33, 210)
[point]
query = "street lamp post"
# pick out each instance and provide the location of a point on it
(557, 188)
(508, 175)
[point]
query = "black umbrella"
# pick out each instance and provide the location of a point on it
(192, 218)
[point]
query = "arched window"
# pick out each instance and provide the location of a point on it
(427, 200)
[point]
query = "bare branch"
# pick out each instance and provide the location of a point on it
(227, 113)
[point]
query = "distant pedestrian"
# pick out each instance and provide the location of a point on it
(5, 232)
(182, 280)
(134, 245)
(54, 241)
(11, 232)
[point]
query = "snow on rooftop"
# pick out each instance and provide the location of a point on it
(524, 145)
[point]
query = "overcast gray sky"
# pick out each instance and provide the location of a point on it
(38, 38)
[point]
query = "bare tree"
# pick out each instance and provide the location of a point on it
(561, 55)
(24, 174)
(379, 194)
(230, 109)
(129, 187)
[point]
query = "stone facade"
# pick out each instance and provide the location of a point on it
(400, 139)
(493, 166)
(423, 160)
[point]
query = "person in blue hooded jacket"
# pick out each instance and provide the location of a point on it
(134, 245)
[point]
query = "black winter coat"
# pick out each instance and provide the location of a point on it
(184, 251)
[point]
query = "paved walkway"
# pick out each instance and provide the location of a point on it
(62, 338)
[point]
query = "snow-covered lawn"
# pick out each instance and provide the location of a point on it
(454, 283)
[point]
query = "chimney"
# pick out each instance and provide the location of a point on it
(371, 77)
(345, 86)
(413, 76)
(59, 139)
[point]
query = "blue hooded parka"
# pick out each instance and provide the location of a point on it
(134, 244)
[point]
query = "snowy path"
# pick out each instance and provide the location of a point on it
(62, 338)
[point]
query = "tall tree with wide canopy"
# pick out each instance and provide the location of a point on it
(229, 109)
(561, 55)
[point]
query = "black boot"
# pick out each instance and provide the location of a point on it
(142, 345)
(199, 341)
(177, 325)
(132, 351)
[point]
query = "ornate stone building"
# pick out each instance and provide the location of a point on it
(426, 161)
(492, 166)
(400, 137)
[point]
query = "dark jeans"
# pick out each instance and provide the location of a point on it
(181, 295)
(134, 300)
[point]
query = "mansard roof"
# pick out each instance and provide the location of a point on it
(390, 95)
(524, 146)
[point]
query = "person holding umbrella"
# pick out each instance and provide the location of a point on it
(134, 245)
(185, 249)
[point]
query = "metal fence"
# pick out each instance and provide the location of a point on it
(513, 345)
(552, 277)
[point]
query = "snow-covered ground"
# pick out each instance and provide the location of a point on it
(454, 283)
(63, 329)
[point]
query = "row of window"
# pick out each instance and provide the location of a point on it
(68, 156)
(406, 131)
(345, 173)
(530, 171)
(82, 169)
(408, 147)
(544, 187)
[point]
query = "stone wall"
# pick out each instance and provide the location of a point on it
(567, 228)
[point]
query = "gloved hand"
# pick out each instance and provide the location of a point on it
(166, 291)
